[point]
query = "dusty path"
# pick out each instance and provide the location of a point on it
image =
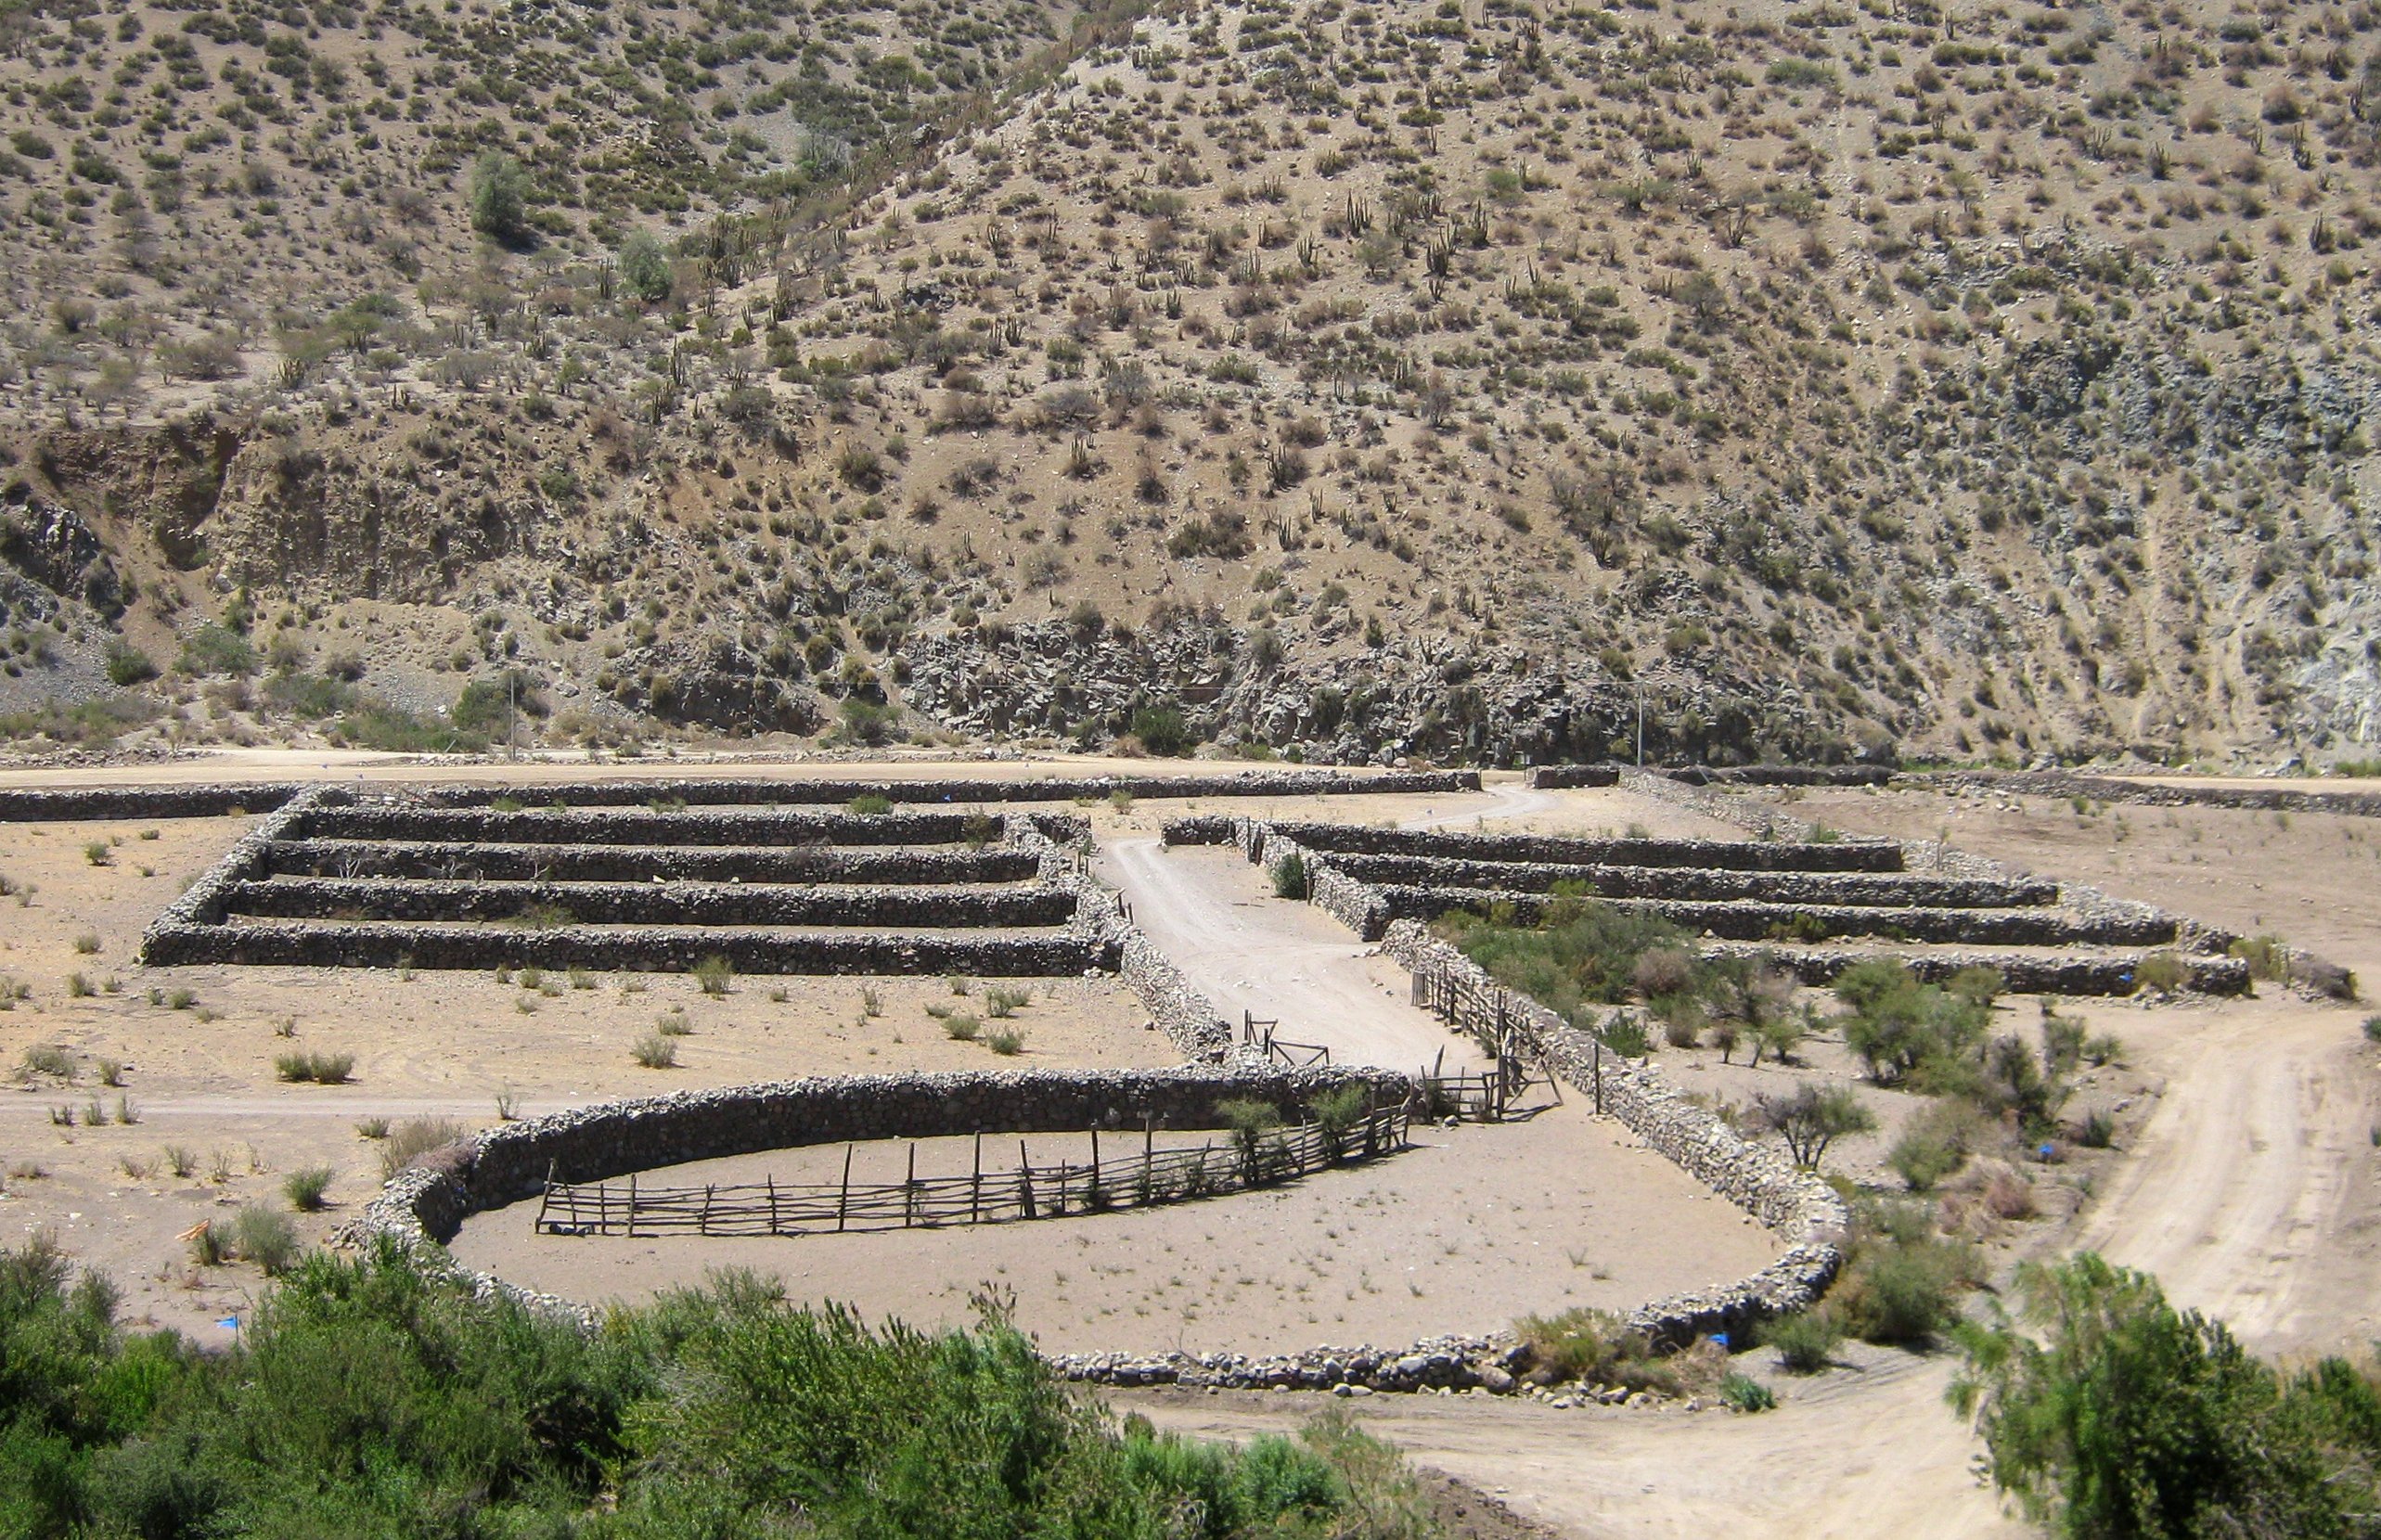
(2251, 1193)
(1867, 1452)
(1215, 916)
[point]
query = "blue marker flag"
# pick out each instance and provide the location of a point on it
(229, 1323)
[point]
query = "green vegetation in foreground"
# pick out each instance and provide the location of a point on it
(2110, 1412)
(365, 1400)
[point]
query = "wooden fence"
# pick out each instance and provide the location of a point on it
(1260, 1034)
(1147, 1177)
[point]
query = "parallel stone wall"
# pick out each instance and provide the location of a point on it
(1746, 920)
(409, 821)
(696, 791)
(2107, 789)
(1758, 1179)
(1686, 882)
(75, 804)
(2022, 973)
(392, 944)
(725, 904)
(1866, 855)
(821, 864)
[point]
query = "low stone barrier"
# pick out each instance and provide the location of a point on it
(392, 943)
(1782, 775)
(1564, 777)
(699, 791)
(710, 903)
(2022, 973)
(1758, 1179)
(77, 804)
(1747, 920)
(402, 821)
(2114, 789)
(201, 904)
(514, 1161)
(881, 865)
(1688, 882)
(1204, 829)
(1862, 856)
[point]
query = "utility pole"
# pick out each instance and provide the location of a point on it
(1640, 724)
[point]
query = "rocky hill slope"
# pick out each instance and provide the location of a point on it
(1438, 377)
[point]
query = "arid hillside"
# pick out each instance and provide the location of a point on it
(1333, 379)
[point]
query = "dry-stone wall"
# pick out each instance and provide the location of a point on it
(1865, 855)
(715, 904)
(74, 804)
(514, 1161)
(453, 860)
(1564, 778)
(413, 821)
(1758, 1179)
(703, 790)
(2021, 974)
(1745, 920)
(1707, 884)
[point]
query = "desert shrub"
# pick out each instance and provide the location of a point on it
(2108, 1412)
(644, 268)
(1935, 1142)
(127, 664)
(1806, 1340)
(321, 1069)
(1581, 952)
(305, 1187)
(1008, 1042)
(1901, 1282)
(655, 1051)
(1745, 1394)
(49, 1058)
(1289, 876)
(216, 648)
(1162, 730)
(1812, 1117)
(1002, 1001)
(1624, 1035)
(2373, 1029)
(1906, 1030)
(2162, 974)
(265, 1237)
(713, 973)
(2268, 956)
(498, 196)
(961, 1027)
(869, 804)
(414, 1138)
(1595, 1346)
(1663, 971)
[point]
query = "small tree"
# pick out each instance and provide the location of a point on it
(1250, 1121)
(644, 268)
(1811, 1119)
(499, 197)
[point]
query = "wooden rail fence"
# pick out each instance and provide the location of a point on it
(1145, 1178)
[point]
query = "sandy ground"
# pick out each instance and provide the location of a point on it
(1469, 1230)
(201, 1080)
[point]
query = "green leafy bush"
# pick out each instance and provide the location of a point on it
(2108, 1412)
(1806, 1340)
(1289, 876)
(1596, 1346)
(216, 648)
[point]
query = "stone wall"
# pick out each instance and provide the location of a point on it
(512, 1161)
(201, 904)
(2022, 973)
(1746, 920)
(758, 828)
(821, 863)
(725, 904)
(1782, 775)
(1868, 855)
(1687, 883)
(696, 791)
(2054, 783)
(1561, 777)
(75, 804)
(392, 943)
(1756, 1177)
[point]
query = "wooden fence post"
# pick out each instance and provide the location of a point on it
(632, 1205)
(844, 1193)
(773, 1205)
(909, 1190)
(1025, 1180)
(703, 1225)
(975, 1183)
(1093, 1195)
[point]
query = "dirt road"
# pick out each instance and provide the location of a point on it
(2251, 1192)
(1215, 916)
(1867, 1452)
